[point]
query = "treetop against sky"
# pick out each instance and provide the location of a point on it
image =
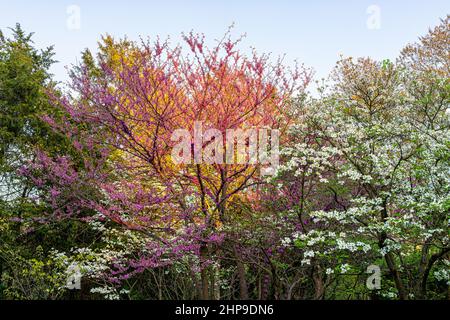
(312, 32)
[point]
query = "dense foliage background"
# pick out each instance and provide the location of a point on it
(87, 181)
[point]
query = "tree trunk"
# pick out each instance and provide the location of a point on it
(319, 288)
(390, 258)
(204, 272)
(422, 289)
(243, 288)
(398, 281)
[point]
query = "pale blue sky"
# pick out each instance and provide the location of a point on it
(313, 32)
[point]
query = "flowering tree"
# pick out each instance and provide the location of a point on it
(132, 100)
(173, 209)
(371, 157)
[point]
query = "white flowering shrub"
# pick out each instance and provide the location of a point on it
(372, 159)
